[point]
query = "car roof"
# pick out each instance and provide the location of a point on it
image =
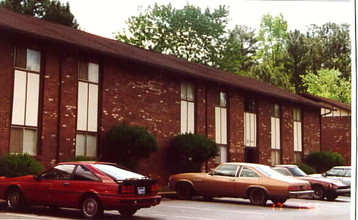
(85, 162)
(245, 164)
(287, 165)
(341, 167)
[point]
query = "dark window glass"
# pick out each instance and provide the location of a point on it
(250, 105)
(226, 170)
(21, 56)
(59, 172)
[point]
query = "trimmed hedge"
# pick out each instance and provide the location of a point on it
(188, 151)
(126, 145)
(82, 158)
(14, 165)
(306, 168)
(323, 161)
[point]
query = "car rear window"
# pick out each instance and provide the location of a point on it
(118, 173)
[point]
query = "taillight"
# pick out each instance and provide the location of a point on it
(154, 188)
(127, 189)
(294, 188)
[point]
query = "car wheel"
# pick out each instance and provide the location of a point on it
(331, 197)
(127, 212)
(258, 197)
(91, 208)
(279, 202)
(184, 191)
(15, 200)
(318, 192)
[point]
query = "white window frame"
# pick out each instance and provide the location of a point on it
(26, 100)
(87, 109)
(187, 107)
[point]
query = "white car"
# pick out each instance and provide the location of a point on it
(342, 173)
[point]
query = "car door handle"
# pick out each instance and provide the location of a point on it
(66, 184)
(232, 180)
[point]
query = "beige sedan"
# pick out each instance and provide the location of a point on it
(256, 182)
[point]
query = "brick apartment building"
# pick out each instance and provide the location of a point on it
(335, 126)
(63, 89)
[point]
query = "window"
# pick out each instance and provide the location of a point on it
(297, 135)
(221, 127)
(276, 136)
(248, 172)
(187, 119)
(226, 170)
(83, 173)
(25, 105)
(60, 172)
(87, 109)
(250, 132)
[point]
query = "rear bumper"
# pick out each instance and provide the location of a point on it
(307, 194)
(115, 203)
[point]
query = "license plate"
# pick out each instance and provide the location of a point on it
(141, 190)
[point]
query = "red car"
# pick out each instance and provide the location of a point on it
(90, 186)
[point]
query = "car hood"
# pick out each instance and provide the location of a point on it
(321, 179)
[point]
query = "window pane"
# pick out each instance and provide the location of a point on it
(183, 117)
(93, 108)
(190, 92)
(30, 141)
(82, 106)
(191, 117)
(16, 140)
(93, 72)
(82, 173)
(33, 60)
(277, 111)
(275, 133)
(91, 149)
(226, 170)
(223, 99)
(18, 105)
(21, 56)
(223, 126)
(250, 129)
(82, 71)
(32, 99)
(183, 92)
(247, 172)
(80, 144)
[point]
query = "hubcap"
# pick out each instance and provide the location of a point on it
(12, 200)
(90, 207)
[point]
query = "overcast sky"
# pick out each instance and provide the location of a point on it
(105, 17)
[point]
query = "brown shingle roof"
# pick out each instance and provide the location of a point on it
(332, 102)
(37, 28)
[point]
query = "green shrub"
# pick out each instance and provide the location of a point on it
(188, 151)
(306, 168)
(14, 165)
(323, 161)
(82, 158)
(126, 145)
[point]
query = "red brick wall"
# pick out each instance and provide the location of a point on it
(311, 130)
(287, 134)
(336, 136)
(264, 113)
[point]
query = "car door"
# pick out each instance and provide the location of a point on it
(247, 177)
(346, 179)
(221, 181)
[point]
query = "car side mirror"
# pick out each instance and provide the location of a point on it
(324, 174)
(37, 177)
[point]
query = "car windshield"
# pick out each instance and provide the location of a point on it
(297, 171)
(268, 171)
(118, 173)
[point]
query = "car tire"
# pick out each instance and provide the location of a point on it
(278, 201)
(184, 191)
(318, 192)
(331, 197)
(15, 200)
(127, 212)
(91, 207)
(258, 196)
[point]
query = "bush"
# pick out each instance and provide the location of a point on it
(82, 158)
(126, 145)
(14, 165)
(323, 161)
(306, 168)
(188, 151)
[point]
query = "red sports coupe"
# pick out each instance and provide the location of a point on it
(89, 186)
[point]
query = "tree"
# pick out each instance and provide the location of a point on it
(239, 50)
(329, 84)
(50, 10)
(126, 145)
(272, 52)
(187, 33)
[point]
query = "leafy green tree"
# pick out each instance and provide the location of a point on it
(187, 33)
(50, 10)
(272, 52)
(239, 50)
(127, 145)
(329, 84)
